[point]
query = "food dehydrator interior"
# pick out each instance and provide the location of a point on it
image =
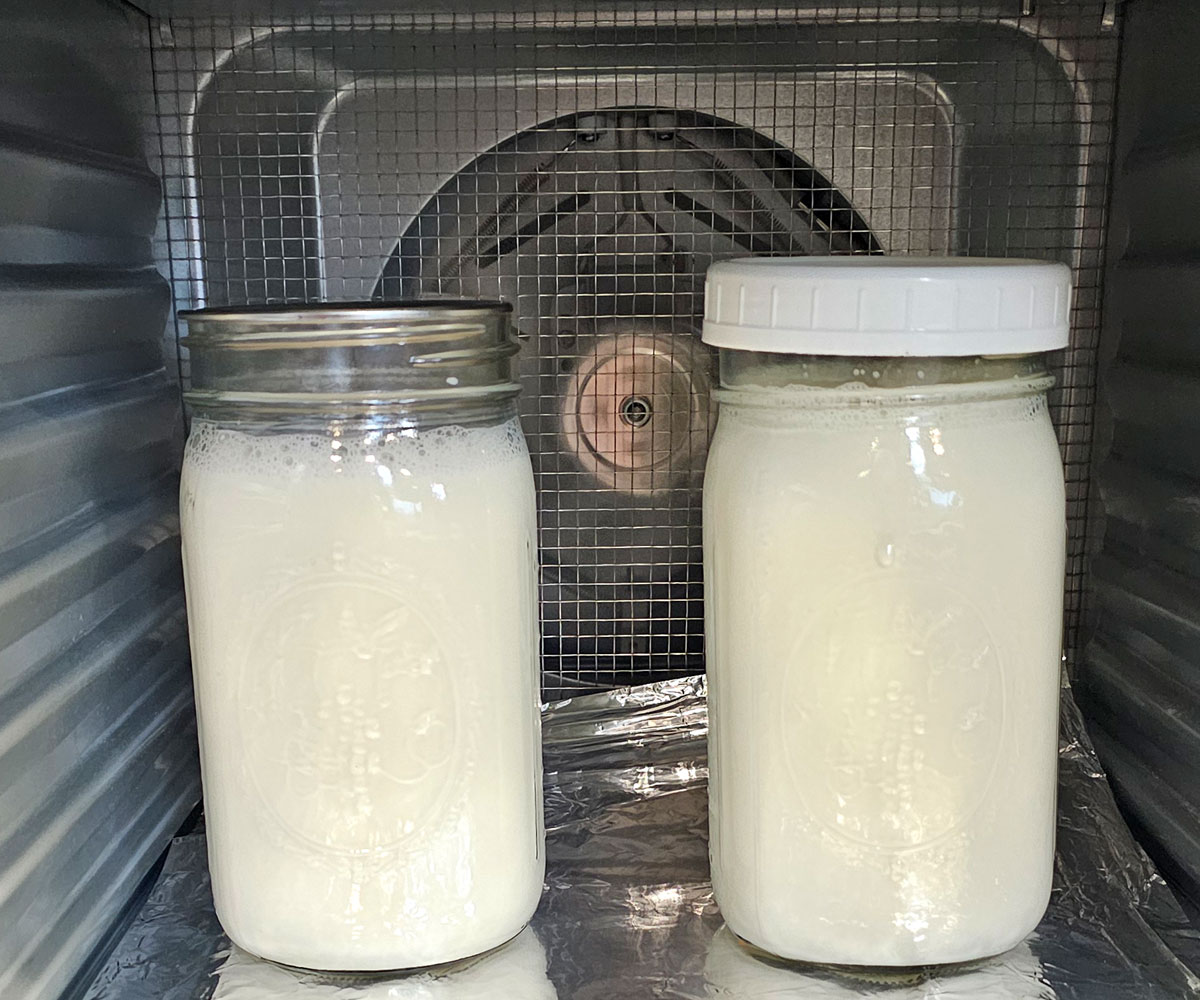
(585, 163)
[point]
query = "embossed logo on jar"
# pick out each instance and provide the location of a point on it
(348, 714)
(894, 711)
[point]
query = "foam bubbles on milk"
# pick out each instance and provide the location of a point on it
(857, 405)
(450, 450)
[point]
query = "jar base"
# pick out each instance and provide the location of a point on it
(875, 975)
(346, 977)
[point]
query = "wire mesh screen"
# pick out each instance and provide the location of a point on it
(588, 167)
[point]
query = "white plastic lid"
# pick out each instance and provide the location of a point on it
(887, 306)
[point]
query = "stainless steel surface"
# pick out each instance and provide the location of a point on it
(97, 745)
(628, 910)
(309, 8)
(1140, 675)
(587, 164)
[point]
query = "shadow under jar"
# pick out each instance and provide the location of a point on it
(359, 555)
(884, 533)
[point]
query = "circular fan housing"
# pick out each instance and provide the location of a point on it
(599, 227)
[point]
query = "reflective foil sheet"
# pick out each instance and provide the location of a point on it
(628, 910)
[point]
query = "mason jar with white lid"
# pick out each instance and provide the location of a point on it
(360, 562)
(884, 546)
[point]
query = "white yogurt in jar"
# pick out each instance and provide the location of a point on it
(364, 631)
(884, 601)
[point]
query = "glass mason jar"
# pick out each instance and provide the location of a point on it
(359, 553)
(884, 546)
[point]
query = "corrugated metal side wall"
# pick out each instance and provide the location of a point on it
(97, 744)
(1140, 680)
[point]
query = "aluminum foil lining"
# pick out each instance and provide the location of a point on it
(628, 910)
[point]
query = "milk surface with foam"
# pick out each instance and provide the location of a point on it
(364, 634)
(884, 601)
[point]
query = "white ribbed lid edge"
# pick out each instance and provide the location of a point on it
(887, 306)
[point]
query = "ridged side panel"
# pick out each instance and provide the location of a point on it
(97, 730)
(1140, 678)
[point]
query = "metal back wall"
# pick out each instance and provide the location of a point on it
(588, 165)
(97, 743)
(1140, 679)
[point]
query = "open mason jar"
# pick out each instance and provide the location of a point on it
(360, 560)
(884, 541)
